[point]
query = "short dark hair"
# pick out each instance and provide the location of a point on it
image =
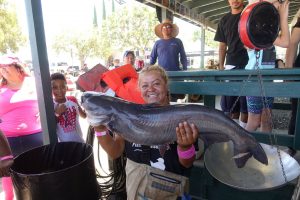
(128, 52)
(58, 76)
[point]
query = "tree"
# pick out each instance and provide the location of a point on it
(126, 29)
(130, 28)
(209, 38)
(11, 37)
(80, 44)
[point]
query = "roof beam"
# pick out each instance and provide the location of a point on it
(216, 13)
(211, 12)
(214, 6)
(216, 16)
(201, 3)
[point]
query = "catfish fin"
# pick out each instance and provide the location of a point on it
(210, 138)
(240, 159)
(260, 154)
(257, 152)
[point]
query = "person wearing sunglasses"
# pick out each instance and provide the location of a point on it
(169, 50)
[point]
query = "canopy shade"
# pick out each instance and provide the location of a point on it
(205, 12)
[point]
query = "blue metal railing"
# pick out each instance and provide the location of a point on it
(276, 83)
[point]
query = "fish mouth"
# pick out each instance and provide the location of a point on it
(85, 96)
(88, 95)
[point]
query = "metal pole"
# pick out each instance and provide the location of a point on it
(202, 46)
(41, 69)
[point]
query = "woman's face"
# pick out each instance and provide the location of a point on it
(153, 87)
(10, 72)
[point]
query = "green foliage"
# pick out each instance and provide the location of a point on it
(209, 38)
(81, 44)
(130, 28)
(11, 37)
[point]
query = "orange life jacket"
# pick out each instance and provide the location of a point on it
(123, 81)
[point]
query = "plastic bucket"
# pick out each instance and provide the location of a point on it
(61, 171)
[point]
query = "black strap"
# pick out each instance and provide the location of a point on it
(145, 155)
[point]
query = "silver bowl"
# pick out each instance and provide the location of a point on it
(254, 176)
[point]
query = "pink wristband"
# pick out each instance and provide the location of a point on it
(186, 154)
(100, 134)
(6, 157)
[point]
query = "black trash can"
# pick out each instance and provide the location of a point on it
(61, 171)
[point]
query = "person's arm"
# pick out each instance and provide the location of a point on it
(183, 58)
(6, 159)
(113, 146)
(222, 54)
(81, 112)
(187, 135)
(283, 38)
(291, 51)
(153, 55)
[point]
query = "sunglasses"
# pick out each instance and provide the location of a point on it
(167, 27)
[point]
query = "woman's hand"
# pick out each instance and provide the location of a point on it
(100, 128)
(187, 135)
(5, 166)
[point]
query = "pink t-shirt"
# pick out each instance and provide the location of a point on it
(19, 110)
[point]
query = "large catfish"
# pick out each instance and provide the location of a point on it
(151, 124)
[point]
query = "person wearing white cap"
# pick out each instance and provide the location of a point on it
(168, 49)
(19, 113)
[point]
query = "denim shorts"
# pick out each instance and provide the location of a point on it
(256, 104)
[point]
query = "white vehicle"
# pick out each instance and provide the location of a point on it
(58, 67)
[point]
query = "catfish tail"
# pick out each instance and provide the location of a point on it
(257, 152)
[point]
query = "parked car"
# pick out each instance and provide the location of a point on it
(73, 70)
(71, 83)
(58, 67)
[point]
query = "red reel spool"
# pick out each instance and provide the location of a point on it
(259, 25)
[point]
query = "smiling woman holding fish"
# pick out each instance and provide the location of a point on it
(154, 171)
